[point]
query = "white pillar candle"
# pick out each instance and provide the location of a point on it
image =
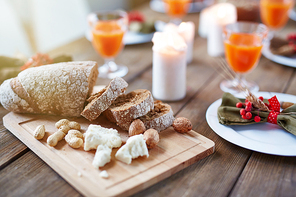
(204, 18)
(169, 66)
(187, 31)
(221, 15)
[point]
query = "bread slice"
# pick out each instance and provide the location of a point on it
(160, 118)
(101, 100)
(128, 107)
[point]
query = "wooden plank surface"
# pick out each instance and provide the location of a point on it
(230, 171)
(174, 152)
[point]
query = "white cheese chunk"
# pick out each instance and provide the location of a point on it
(96, 135)
(104, 174)
(102, 156)
(135, 146)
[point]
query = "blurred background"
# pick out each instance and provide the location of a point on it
(30, 26)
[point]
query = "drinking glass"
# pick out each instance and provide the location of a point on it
(108, 29)
(243, 42)
(275, 13)
(176, 9)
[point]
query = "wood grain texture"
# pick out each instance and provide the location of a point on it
(10, 148)
(30, 176)
(267, 175)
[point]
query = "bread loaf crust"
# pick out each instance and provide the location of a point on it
(59, 89)
(135, 104)
(100, 101)
(11, 101)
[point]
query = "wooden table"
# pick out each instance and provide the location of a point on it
(230, 171)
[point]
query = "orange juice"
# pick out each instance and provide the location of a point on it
(107, 38)
(177, 8)
(275, 13)
(242, 51)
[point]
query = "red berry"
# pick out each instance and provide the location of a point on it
(260, 98)
(248, 115)
(135, 16)
(248, 108)
(291, 36)
(257, 118)
(244, 117)
(242, 112)
(239, 105)
(246, 101)
(249, 104)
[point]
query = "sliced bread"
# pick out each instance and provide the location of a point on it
(159, 118)
(101, 100)
(128, 107)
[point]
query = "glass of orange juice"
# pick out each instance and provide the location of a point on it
(243, 42)
(275, 13)
(108, 29)
(176, 9)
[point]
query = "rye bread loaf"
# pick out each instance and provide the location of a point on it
(101, 100)
(128, 107)
(159, 118)
(59, 89)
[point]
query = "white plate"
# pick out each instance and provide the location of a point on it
(287, 61)
(129, 38)
(293, 14)
(265, 138)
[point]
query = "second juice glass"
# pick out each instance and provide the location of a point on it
(176, 9)
(275, 13)
(108, 30)
(243, 42)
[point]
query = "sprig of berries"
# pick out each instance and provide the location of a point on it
(292, 40)
(247, 107)
(245, 112)
(135, 16)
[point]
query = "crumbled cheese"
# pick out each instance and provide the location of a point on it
(96, 135)
(104, 174)
(102, 156)
(135, 146)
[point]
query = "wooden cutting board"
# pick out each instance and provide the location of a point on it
(174, 152)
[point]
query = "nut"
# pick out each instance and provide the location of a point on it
(74, 125)
(53, 139)
(285, 105)
(74, 138)
(63, 126)
(182, 125)
(39, 132)
(137, 127)
(151, 137)
(61, 122)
